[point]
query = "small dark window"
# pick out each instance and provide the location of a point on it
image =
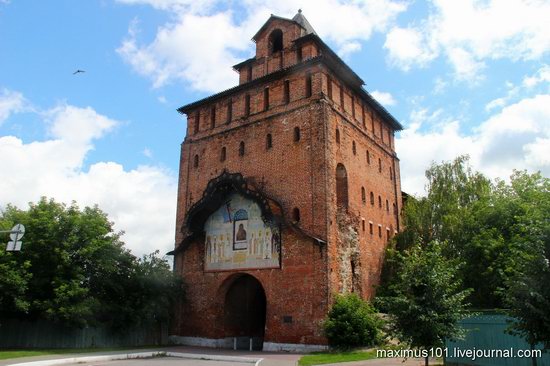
(196, 161)
(368, 157)
(379, 231)
(296, 134)
(388, 236)
(353, 148)
(213, 117)
(268, 141)
(266, 99)
(342, 96)
(197, 122)
(379, 165)
(372, 198)
(337, 135)
(287, 91)
(394, 209)
(363, 117)
(329, 87)
(379, 202)
(353, 107)
(276, 41)
(296, 214)
(241, 148)
(371, 229)
(363, 195)
(229, 110)
(223, 154)
(247, 105)
(308, 85)
(363, 224)
(387, 205)
(299, 54)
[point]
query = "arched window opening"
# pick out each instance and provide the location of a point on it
(379, 165)
(276, 41)
(296, 134)
(394, 209)
(379, 201)
(223, 154)
(197, 122)
(337, 136)
(241, 148)
(368, 157)
(196, 161)
(266, 99)
(308, 85)
(387, 206)
(372, 198)
(296, 214)
(268, 141)
(363, 195)
(363, 224)
(229, 110)
(287, 91)
(353, 148)
(213, 117)
(329, 87)
(341, 187)
(247, 105)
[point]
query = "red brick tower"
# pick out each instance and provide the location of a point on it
(289, 190)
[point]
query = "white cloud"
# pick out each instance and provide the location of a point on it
(468, 32)
(10, 102)
(140, 201)
(148, 153)
(348, 48)
(383, 97)
(541, 76)
(495, 103)
(407, 47)
(200, 44)
(517, 137)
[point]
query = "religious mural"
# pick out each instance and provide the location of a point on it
(238, 238)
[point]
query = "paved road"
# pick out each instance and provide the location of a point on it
(159, 361)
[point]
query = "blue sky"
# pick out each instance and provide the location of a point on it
(462, 77)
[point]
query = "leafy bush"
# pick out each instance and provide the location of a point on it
(352, 322)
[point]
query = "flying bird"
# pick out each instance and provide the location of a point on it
(77, 71)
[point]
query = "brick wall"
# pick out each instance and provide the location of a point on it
(297, 174)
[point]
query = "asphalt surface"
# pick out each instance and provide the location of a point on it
(158, 361)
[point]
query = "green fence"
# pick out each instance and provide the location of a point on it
(45, 334)
(489, 344)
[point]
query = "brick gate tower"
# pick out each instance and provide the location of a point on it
(289, 190)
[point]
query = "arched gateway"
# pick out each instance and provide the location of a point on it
(244, 312)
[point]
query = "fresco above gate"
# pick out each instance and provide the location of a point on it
(238, 238)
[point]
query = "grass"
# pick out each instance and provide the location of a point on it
(319, 358)
(16, 353)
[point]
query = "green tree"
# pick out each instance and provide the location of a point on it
(74, 268)
(428, 299)
(528, 292)
(352, 322)
(475, 218)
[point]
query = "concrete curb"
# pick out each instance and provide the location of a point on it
(126, 356)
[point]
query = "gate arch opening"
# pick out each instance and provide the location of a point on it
(245, 312)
